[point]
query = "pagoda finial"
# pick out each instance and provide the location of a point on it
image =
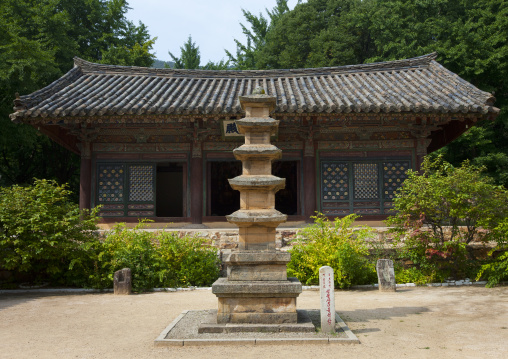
(259, 91)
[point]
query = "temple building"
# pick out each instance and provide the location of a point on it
(157, 143)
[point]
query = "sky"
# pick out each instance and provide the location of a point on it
(213, 24)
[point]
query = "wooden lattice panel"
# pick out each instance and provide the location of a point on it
(141, 183)
(366, 180)
(335, 181)
(110, 183)
(394, 173)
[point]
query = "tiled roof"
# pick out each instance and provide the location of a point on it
(414, 85)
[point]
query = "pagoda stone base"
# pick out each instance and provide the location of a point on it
(257, 265)
(257, 302)
(303, 325)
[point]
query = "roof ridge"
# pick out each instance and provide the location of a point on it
(420, 61)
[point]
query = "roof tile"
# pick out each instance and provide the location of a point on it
(412, 85)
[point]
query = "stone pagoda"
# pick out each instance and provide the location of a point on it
(257, 289)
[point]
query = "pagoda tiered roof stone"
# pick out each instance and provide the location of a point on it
(418, 85)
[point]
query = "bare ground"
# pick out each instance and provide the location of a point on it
(439, 322)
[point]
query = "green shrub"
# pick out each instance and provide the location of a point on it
(496, 269)
(335, 244)
(438, 212)
(42, 231)
(413, 275)
(157, 259)
(187, 261)
(134, 249)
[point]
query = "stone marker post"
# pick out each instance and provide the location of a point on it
(326, 288)
(122, 281)
(386, 275)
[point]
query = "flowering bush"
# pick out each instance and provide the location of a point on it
(440, 211)
(496, 268)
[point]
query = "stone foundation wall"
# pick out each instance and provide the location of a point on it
(227, 239)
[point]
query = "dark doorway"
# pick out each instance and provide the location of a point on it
(223, 200)
(286, 200)
(169, 190)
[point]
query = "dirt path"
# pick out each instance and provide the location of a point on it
(461, 322)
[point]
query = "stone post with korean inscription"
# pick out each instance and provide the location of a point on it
(326, 288)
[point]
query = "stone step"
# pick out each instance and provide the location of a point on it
(303, 325)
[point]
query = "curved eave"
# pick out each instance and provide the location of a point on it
(418, 85)
(157, 118)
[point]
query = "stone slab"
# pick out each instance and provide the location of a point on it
(260, 246)
(350, 336)
(167, 338)
(245, 265)
(256, 318)
(256, 257)
(257, 272)
(161, 339)
(303, 324)
(257, 304)
(259, 238)
(225, 288)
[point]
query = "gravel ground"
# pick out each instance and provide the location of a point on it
(436, 322)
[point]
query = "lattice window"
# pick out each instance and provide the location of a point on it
(141, 183)
(110, 183)
(394, 173)
(335, 181)
(372, 184)
(366, 180)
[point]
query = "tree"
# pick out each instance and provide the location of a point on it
(256, 36)
(190, 57)
(317, 33)
(469, 36)
(38, 40)
(221, 65)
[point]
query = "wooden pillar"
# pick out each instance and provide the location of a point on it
(309, 179)
(85, 177)
(421, 151)
(196, 183)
